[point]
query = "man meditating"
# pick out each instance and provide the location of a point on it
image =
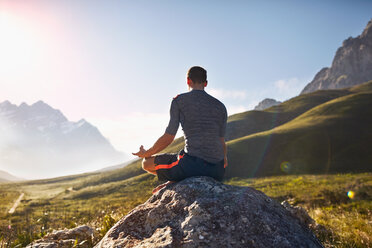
(203, 120)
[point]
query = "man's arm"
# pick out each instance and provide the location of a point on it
(224, 151)
(164, 141)
(167, 137)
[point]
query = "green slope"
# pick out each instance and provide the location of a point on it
(243, 124)
(250, 122)
(332, 137)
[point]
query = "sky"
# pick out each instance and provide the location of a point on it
(118, 64)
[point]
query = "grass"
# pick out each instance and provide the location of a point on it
(250, 122)
(347, 220)
(49, 206)
(58, 204)
(332, 137)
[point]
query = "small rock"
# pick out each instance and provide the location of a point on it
(66, 238)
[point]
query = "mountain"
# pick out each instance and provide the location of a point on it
(352, 65)
(6, 177)
(266, 103)
(41, 142)
(332, 137)
(249, 122)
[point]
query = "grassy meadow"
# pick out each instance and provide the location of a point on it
(55, 204)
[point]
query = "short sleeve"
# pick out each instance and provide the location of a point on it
(224, 122)
(174, 121)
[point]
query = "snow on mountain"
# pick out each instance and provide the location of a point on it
(40, 135)
(7, 177)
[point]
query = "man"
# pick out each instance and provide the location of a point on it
(203, 120)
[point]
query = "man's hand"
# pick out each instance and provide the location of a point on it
(222, 139)
(141, 153)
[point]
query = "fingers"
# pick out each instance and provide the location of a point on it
(141, 150)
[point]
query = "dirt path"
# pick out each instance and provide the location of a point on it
(17, 202)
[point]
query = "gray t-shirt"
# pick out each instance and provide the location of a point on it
(203, 120)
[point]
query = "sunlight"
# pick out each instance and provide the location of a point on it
(17, 44)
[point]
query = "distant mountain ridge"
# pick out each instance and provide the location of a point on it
(266, 103)
(40, 135)
(352, 65)
(7, 177)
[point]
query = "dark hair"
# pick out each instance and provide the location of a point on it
(197, 74)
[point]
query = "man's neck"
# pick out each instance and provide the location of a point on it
(197, 87)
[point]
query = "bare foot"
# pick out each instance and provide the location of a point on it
(161, 186)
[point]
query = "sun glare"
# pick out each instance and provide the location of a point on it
(17, 43)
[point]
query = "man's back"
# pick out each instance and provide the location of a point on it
(203, 120)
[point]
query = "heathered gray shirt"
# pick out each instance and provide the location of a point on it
(203, 120)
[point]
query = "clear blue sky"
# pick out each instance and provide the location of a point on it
(119, 63)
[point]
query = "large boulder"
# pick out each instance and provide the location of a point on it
(201, 212)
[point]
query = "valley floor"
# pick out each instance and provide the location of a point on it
(342, 203)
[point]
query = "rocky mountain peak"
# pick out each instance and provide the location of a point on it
(266, 103)
(23, 105)
(367, 32)
(5, 103)
(40, 104)
(7, 106)
(201, 212)
(352, 64)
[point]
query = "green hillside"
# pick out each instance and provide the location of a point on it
(250, 122)
(332, 137)
(249, 153)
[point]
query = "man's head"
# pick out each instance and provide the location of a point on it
(197, 77)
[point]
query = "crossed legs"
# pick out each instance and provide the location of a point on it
(148, 164)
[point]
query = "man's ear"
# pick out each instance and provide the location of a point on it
(206, 83)
(189, 81)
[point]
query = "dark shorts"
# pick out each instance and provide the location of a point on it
(178, 166)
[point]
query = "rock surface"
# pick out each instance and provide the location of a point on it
(66, 238)
(201, 212)
(266, 103)
(352, 65)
